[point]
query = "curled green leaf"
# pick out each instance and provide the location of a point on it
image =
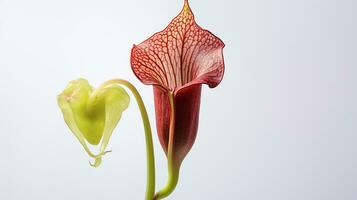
(92, 114)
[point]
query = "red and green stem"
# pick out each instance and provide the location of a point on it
(173, 169)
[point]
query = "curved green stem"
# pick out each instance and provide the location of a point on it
(173, 177)
(173, 170)
(150, 182)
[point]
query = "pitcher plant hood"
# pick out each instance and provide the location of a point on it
(177, 61)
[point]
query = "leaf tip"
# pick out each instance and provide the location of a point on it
(96, 163)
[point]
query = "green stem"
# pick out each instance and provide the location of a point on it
(173, 169)
(150, 181)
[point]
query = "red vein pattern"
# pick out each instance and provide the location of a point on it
(182, 54)
(178, 60)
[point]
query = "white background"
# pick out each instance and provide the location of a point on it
(280, 126)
